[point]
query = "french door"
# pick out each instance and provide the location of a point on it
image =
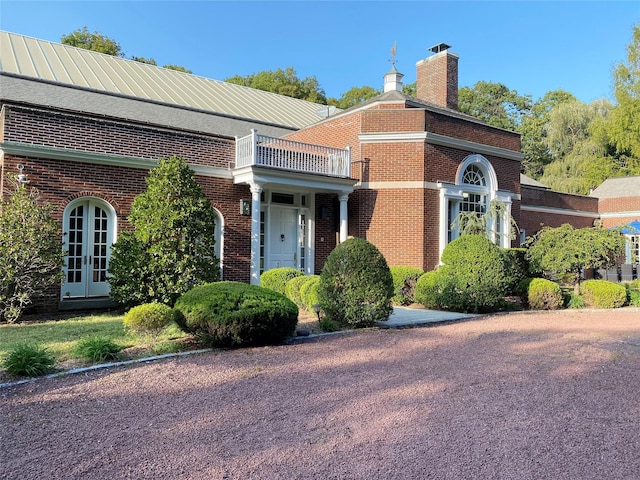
(89, 232)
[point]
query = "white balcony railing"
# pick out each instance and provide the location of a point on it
(264, 151)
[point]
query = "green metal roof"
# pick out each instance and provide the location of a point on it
(65, 65)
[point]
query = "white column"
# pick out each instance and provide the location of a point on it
(344, 221)
(256, 190)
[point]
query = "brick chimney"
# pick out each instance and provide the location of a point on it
(437, 78)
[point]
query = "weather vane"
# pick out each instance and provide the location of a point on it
(393, 54)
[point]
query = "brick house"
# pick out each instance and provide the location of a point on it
(289, 179)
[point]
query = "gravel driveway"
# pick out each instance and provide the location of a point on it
(518, 396)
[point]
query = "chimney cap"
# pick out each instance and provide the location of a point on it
(441, 47)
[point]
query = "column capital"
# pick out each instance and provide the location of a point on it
(255, 188)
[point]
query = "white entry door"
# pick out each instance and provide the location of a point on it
(283, 239)
(89, 229)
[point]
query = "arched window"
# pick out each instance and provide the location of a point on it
(89, 230)
(219, 236)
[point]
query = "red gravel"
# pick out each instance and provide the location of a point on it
(519, 396)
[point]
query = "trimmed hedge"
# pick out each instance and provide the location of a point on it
(434, 288)
(356, 285)
(276, 279)
(235, 314)
(309, 292)
(149, 319)
(478, 274)
(292, 290)
(544, 294)
(603, 294)
(404, 283)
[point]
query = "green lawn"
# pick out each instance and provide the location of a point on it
(60, 336)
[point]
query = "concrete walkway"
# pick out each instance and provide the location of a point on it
(405, 316)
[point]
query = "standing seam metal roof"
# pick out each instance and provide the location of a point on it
(71, 66)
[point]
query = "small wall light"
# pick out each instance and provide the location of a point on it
(245, 207)
(21, 177)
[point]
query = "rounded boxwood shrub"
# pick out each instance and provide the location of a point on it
(404, 283)
(603, 294)
(544, 294)
(356, 285)
(309, 292)
(276, 279)
(29, 360)
(478, 274)
(234, 314)
(431, 288)
(292, 290)
(148, 320)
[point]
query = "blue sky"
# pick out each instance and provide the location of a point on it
(530, 46)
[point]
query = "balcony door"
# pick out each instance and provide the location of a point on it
(89, 226)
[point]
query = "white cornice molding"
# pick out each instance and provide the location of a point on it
(630, 213)
(558, 211)
(443, 140)
(396, 185)
(298, 181)
(54, 153)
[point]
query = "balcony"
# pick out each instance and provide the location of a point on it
(271, 152)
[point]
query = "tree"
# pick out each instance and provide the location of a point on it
(95, 41)
(170, 250)
(151, 61)
(566, 250)
(31, 256)
(285, 82)
(495, 104)
(354, 96)
(533, 132)
(623, 123)
(473, 223)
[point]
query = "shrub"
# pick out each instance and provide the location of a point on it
(633, 297)
(432, 288)
(544, 294)
(29, 360)
(522, 289)
(404, 283)
(603, 294)
(327, 325)
(31, 256)
(478, 274)
(234, 314)
(356, 285)
(634, 284)
(148, 320)
(170, 250)
(517, 268)
(309, 292)
(97, 349)
(276, 279)
(292, 290)
(571, 300)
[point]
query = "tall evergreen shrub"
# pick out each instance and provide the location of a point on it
(170, 249)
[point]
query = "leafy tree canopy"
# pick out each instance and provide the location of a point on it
(285, 82)
(354, 96)
(568, 250)
(623, 124)
(95, 41)
(495, 104)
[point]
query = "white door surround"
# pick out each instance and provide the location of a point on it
(89, 231)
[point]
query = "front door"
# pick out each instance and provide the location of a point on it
(89, 229)
(283, 240)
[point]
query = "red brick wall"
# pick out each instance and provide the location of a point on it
(437, 80)
(326, 228)
(532, 222)
(79, 132)
(620, 204)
